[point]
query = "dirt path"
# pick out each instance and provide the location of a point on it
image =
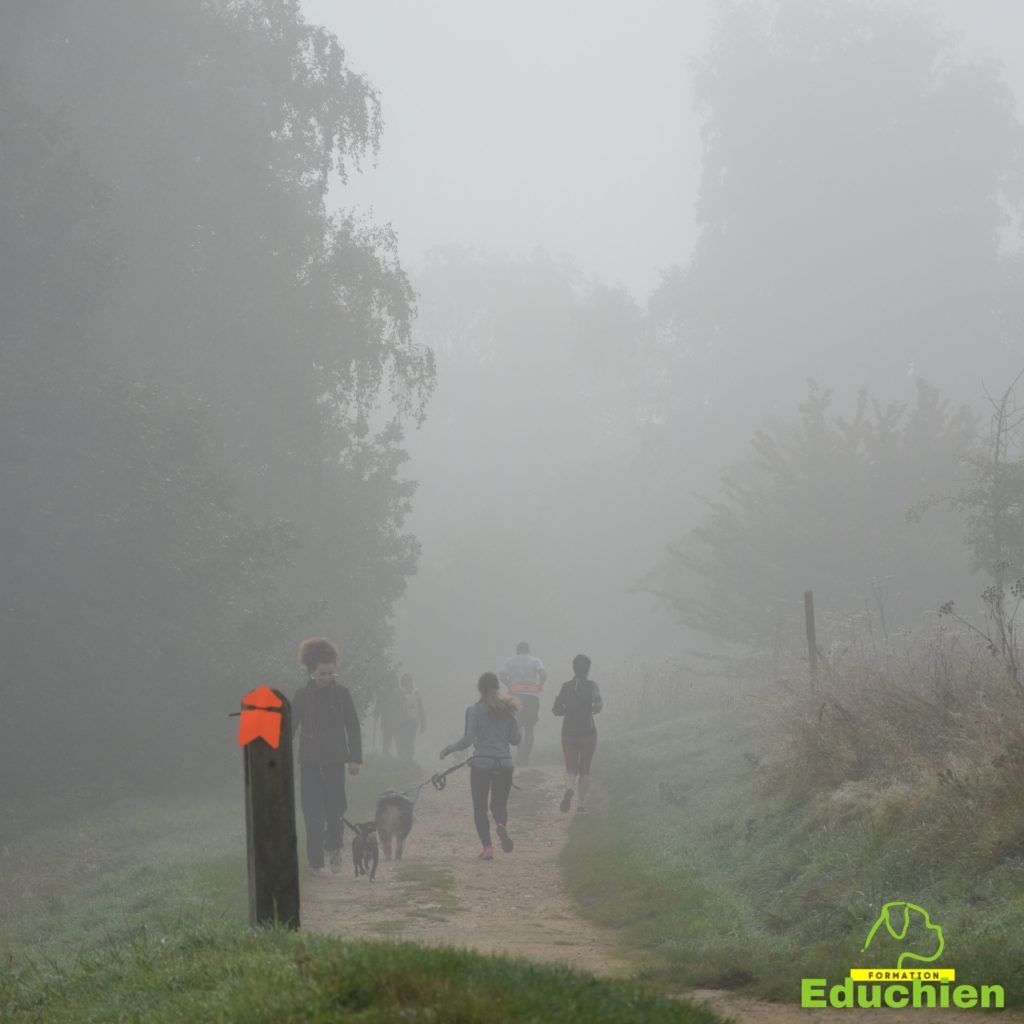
(516, 905)
(441, 895)
(743, 1009)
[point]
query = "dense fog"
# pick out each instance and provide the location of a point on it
(238, 409)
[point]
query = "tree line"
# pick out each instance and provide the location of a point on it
(204, 379)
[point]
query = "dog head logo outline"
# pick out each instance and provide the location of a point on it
(899, 932)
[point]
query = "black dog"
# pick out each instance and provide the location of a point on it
(394, 821)
(365, 850)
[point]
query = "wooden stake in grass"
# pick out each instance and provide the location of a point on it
(812, 645)
(265, 732)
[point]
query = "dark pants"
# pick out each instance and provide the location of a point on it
(529, 704)
(322, 791)
(405, 740)
(495, 783)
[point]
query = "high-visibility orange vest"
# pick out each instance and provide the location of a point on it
(524, 688)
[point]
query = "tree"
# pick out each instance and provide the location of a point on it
(991, 506)
(203, 377)
(216, 129)
(821, 504)
(858, 177)
(992, 502)
(129, 570)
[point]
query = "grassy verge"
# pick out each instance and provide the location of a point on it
(718, 878)
(141, 864)
(138, 913)
(222, 973)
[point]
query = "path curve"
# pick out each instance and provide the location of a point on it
(516, 905)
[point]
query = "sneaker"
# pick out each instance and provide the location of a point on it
(335, 857)
(580, 809)
(566, 801)
(506, 840)
(487, 854)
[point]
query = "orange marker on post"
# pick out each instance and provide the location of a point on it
(261, 717)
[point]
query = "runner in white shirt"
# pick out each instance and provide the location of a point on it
(525, 677)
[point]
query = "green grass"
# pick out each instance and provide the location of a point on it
(138, 913)
(714, 881)
(137, 862)
(134, 864)
(201, 972)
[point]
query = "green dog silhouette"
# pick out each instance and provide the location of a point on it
(902, 929)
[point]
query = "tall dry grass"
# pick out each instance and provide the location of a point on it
(927, 738)
(922, 734)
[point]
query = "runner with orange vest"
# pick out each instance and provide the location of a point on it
(525, 677)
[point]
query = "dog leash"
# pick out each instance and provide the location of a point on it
(441, 780)
(438, 781)
(416, 790)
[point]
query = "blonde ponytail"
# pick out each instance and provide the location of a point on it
(500, 702)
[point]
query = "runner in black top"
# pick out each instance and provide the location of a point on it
(578, 701)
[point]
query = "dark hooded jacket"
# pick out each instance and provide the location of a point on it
(326, 716)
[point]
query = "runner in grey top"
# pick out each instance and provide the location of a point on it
(492, 729)
(491, 732)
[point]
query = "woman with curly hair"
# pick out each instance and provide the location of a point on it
(491, 727)
(330, 738)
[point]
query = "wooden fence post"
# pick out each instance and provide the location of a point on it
(270, 827)
(812, 644)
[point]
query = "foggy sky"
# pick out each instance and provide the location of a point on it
(568, 125)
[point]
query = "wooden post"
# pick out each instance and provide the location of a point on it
(812, 644)
(270, 828)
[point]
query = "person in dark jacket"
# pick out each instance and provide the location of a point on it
(387, 710)
(577, 702)
(329, 738)
(491, 729)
